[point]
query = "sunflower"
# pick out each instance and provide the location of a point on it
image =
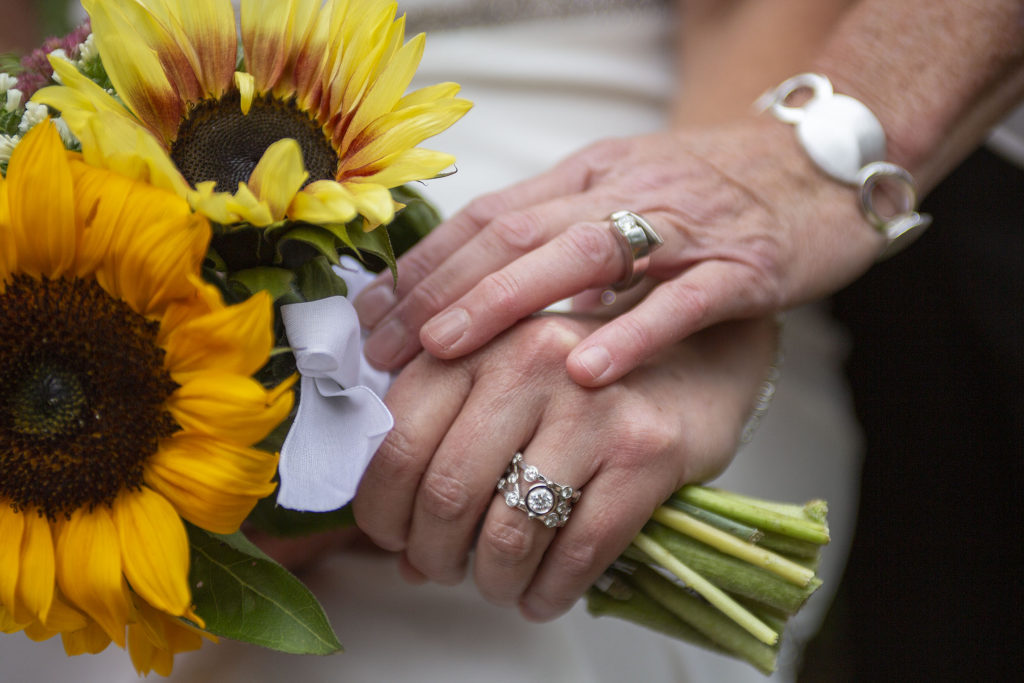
(316, 128)
(127, 405)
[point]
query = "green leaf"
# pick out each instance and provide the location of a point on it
(358, 240)
(323, 241)
(244, 595)
(318, 281)
(277, 281)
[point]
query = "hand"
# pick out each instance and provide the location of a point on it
(430, 490)
(750, 227)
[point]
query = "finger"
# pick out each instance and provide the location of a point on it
(383, 503)
(381, 296)
(707, 293)
(512, 545)
(460, 481)
(409, 573)
(396, 338)
(581, 257)
(604, 522)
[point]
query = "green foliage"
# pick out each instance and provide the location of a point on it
(244, 595)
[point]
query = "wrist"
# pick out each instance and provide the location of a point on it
(847, 142)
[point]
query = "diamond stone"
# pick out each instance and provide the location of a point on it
(567, 492)
(512, 498)
(552, 521)
(540, 500)
(530, 473)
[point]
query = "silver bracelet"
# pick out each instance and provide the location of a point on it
(846, 141)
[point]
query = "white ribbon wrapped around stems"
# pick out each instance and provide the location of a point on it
(341, 420)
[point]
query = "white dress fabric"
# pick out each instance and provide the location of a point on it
(543, 87)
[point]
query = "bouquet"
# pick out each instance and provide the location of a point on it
(178, 216)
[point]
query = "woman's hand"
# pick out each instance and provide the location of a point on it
(430, 490)
(750, 227)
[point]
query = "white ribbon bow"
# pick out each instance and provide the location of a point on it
(341, 420)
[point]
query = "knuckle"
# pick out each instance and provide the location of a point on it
(424, 301)
(508, 545)
(545, 344)
(396, 459)
(693, 303)
(484, 208)
(502, 291)
(445, 498)
(517, 232)
(577, 561)
(590, 243)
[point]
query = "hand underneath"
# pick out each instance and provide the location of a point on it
(750, 227)
(430, 490)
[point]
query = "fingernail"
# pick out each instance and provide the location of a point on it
(595, 360)
(447, 328)
(385, 343)
(373, 303)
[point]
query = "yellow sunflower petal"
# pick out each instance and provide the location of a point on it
(134, 67)
(36, 580)
(90, 569)
(312, 58)
(41, 201)
(278, 176)
(212, 204)
(403, 129)
(430, 93)
(78, 98)
(146, 241)
(247, 207)
(8, 623)
(89, 640)
(154, 549)
(267, 26)
(406, 166)
(235, 339)
(387, 90)
(12, 528)
(324, 201)
(212, 484)
(246, 85)
(63, 617)
(208, 39)
(229, 407)
(123, 146)
(8, 257)
(374, 202)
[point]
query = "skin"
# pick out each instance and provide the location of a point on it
(919, 66)
(429, 491)
(750, 227)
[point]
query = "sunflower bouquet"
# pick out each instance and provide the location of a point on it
(179, 193)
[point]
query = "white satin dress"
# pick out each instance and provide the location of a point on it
(560, 76)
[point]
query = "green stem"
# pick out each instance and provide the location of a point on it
(743, 531)
(739, 508)
(730, 574)
(707, 590)
(730, 545)
(706, 619)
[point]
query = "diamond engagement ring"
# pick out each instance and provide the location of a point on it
(638, 240)
(544, 500)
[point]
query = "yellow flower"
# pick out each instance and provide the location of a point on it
(317, 127)
(127, 405)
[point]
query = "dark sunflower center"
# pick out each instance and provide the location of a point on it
(218, 142)
(83, 392)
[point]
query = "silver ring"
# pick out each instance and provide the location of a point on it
(544, 500)
(637, 239)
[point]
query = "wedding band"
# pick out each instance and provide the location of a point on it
(637, 239)
(544, 500)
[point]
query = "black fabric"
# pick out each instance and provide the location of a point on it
(932, 590)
